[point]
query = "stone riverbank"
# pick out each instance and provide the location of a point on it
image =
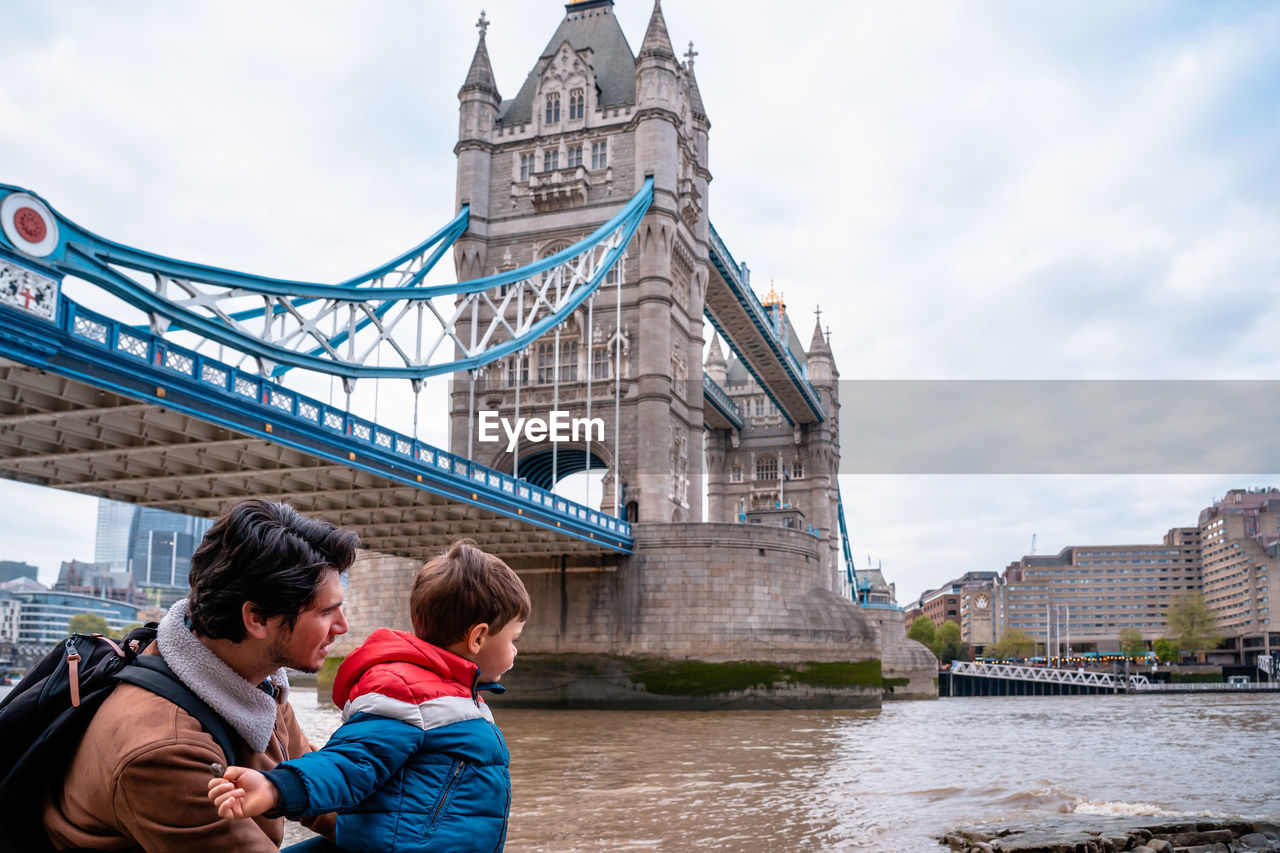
(1108, 835)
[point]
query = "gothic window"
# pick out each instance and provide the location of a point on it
(757, 407)
(577, 104)
(553, 107)
(517, 370)
(547, 363)
(569, 361)
(735, 474)
(550, 160)
(575, 156)
(797, 469)
(601, 361)
(527, 164)
(611, 277)
(767, 467)
(600, 154)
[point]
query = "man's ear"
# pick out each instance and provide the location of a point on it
(255, 625)
(475, 637)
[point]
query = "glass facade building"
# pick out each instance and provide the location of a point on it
(155, 545)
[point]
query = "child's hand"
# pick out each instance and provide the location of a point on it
(241, 792)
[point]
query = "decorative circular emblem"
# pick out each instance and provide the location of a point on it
(29, 225)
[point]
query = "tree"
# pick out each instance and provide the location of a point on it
(1131, 642)
(921, 630)
(1192, 624)
(1167, 651)
(946, 645)
(1015, 643)
(88, 623)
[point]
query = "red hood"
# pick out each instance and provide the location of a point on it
(388, 647)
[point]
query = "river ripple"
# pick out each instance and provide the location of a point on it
(889, 780)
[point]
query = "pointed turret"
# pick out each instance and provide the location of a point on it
(480, 74)
(695, 94)
(656, 40)
(477, 114)
(819, 341)
(821, 361)
(479, 94)
(716, 367)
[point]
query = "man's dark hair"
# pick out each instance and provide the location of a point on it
(265, 553)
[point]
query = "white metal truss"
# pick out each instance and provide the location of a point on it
(1045, 675)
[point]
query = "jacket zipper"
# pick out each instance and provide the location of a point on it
(444, 798)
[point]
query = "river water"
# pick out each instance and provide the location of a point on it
(889, 780)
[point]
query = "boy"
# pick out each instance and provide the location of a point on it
(418, 764)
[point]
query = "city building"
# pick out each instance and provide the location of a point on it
(978, 613)
(42, 617)
(944, 603)
(1240, 537)
(98, 580)
(878, 591)
(153, 545)
(12, 570)
(1084, 596)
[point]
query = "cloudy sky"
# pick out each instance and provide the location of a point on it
(970, 191)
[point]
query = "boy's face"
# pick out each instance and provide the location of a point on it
(498, 651)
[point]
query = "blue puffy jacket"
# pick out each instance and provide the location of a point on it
(417, 766)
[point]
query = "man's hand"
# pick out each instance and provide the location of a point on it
(241, 792)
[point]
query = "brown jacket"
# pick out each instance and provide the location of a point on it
(139, 779)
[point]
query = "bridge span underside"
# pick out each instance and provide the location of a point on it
(70, 435)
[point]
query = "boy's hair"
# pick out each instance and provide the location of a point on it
(463, 587)
(265, 553)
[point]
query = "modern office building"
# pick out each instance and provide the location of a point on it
(114, 533)
(154, 545)
(33, 617)
(1241, 565)
(1084, 596)
(12, 570)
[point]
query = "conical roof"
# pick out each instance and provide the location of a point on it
(480, 74)
(656, 40)
(819, 341)
(695, 94)
(716, 354)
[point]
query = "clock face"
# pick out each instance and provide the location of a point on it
(980, 602)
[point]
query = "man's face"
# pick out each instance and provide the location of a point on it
(305, 645)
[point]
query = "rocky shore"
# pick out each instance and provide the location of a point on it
(1108, 835)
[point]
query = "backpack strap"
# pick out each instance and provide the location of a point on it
(152, 673)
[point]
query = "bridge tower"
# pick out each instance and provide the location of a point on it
(540, 171)
(771, 472)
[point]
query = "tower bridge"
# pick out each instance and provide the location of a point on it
(586, 265)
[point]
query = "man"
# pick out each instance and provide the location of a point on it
(266, 593)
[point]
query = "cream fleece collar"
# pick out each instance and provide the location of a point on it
(244, 706)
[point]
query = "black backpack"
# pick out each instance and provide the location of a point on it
(44, 717)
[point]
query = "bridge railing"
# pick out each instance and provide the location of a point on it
(1047, 675)
(252, 390)
(722, 400)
